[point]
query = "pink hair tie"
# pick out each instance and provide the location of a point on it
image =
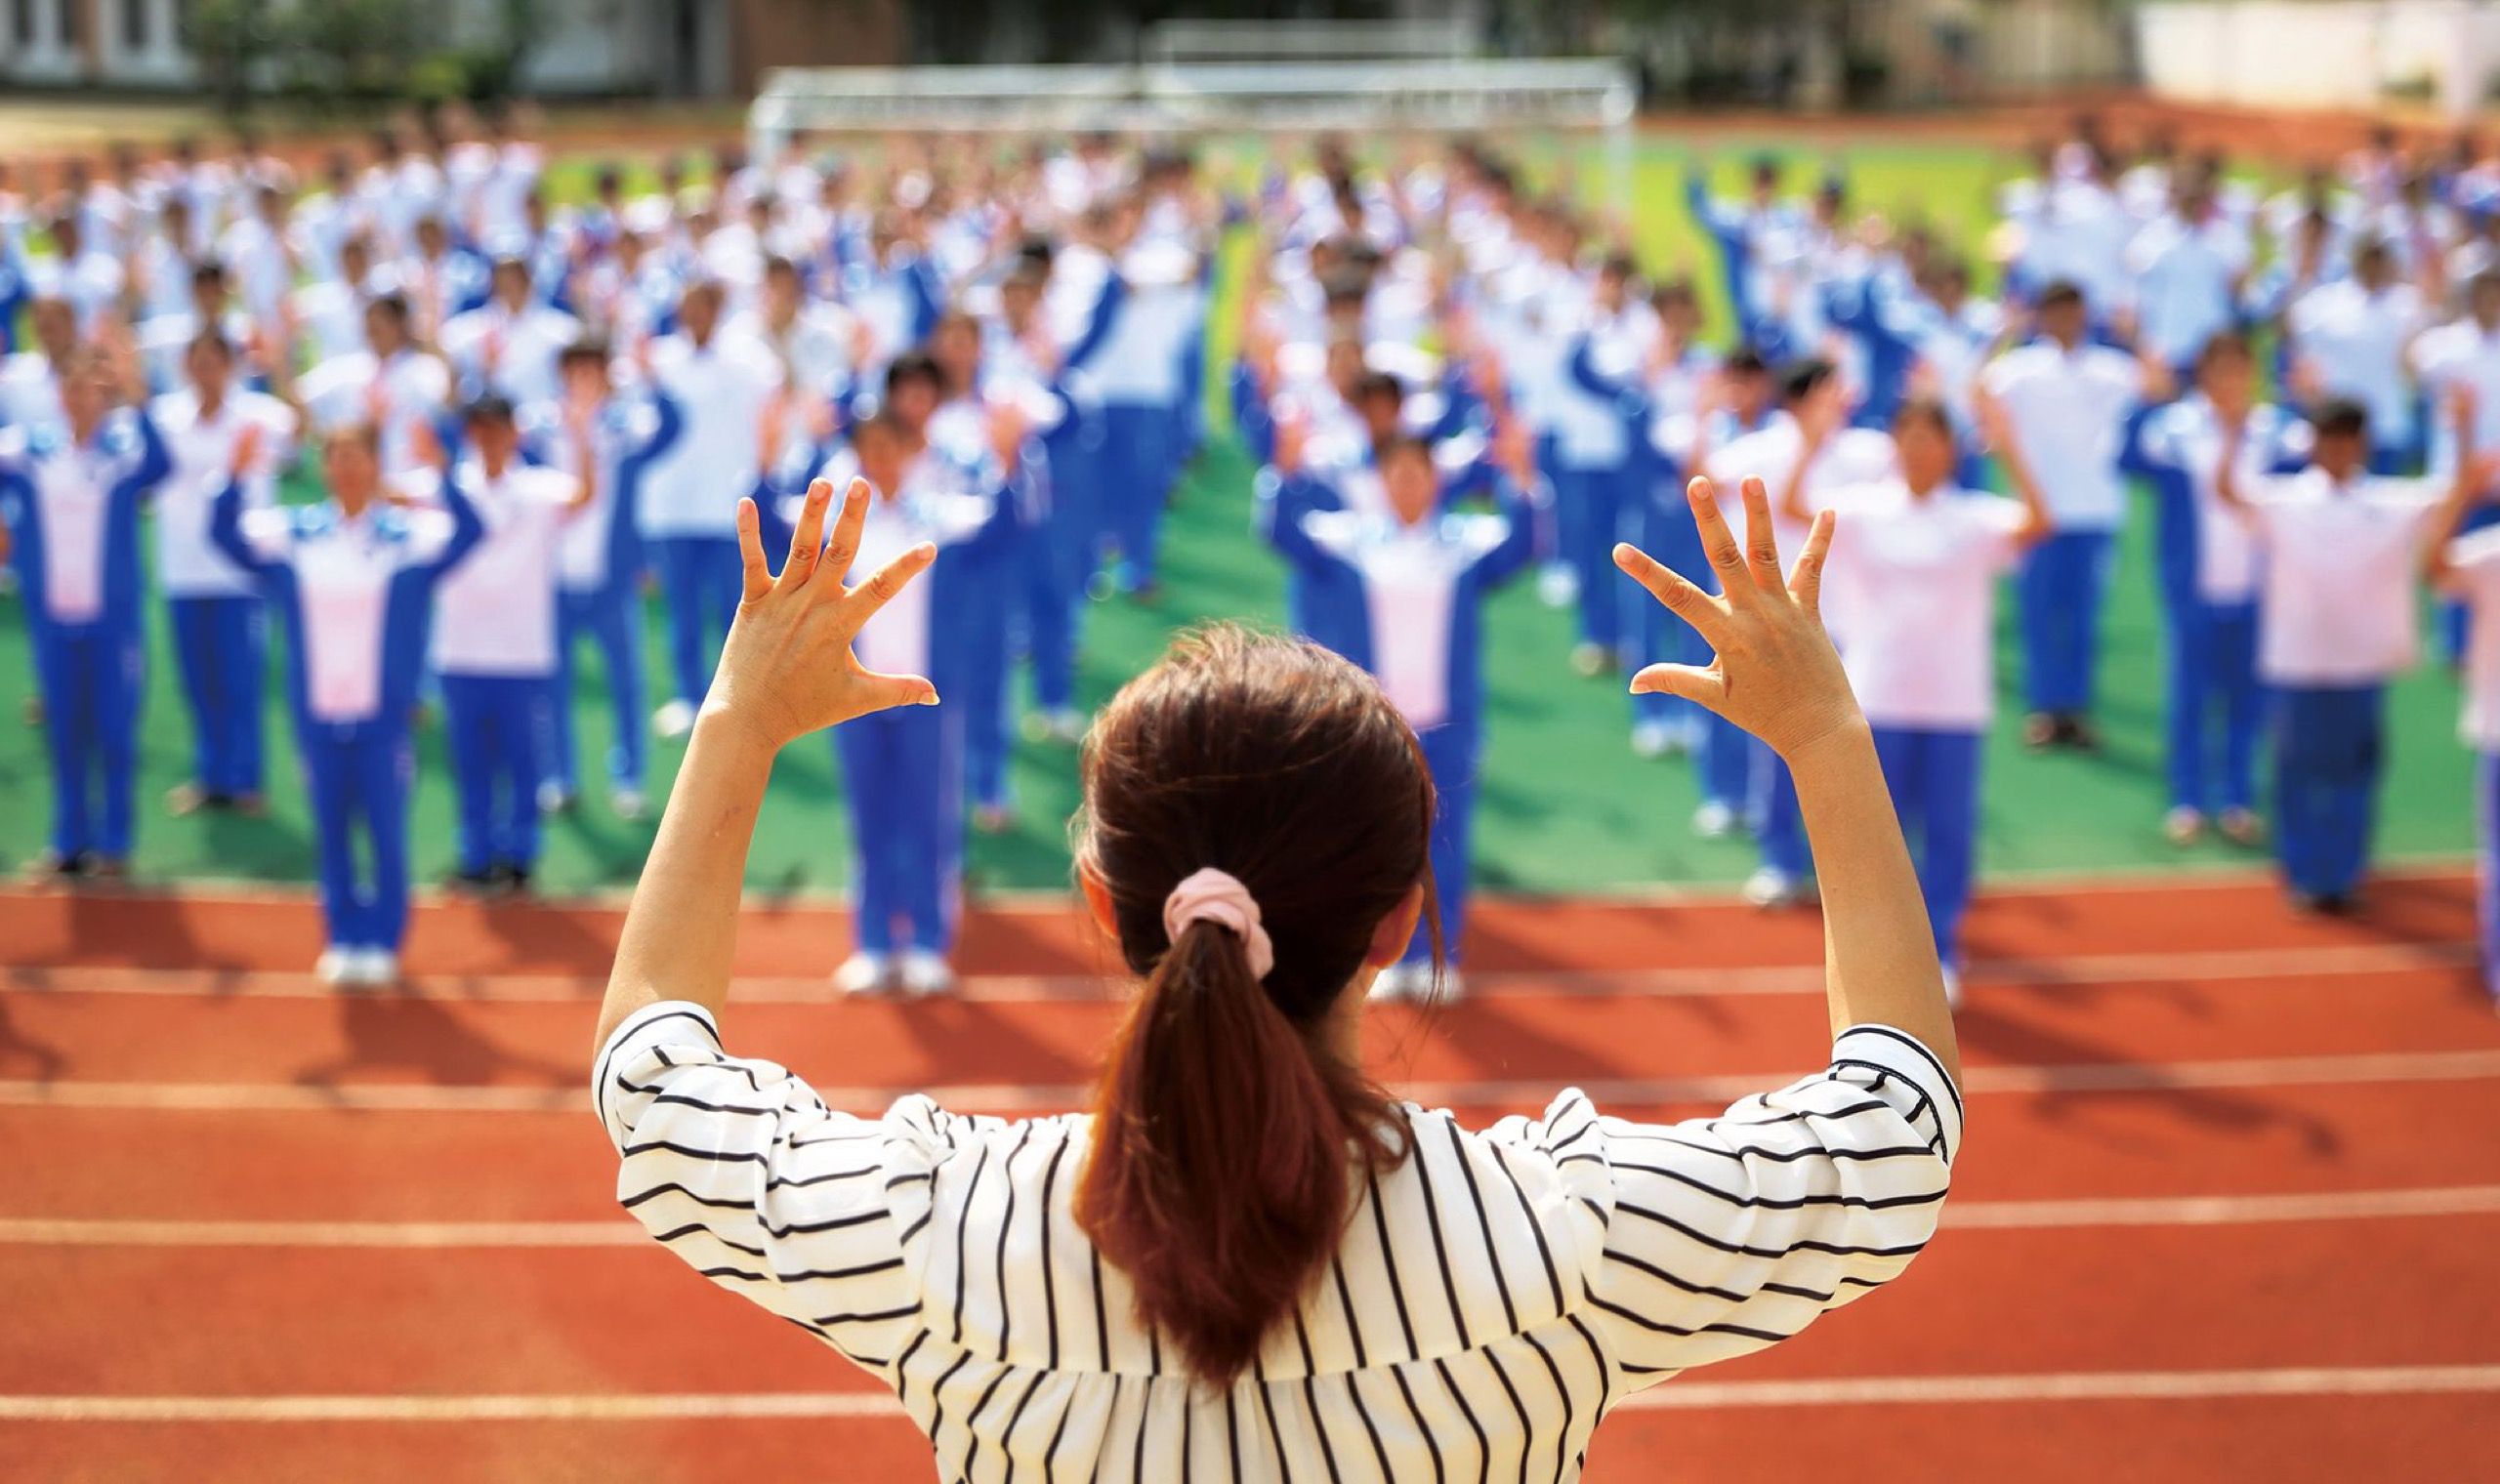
(1214, 896)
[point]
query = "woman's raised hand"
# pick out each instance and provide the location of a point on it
(1774, 672)
(786, 669)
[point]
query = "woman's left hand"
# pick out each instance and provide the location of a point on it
(787, 668)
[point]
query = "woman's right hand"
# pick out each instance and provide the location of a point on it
(1773, 671)
(787, 667)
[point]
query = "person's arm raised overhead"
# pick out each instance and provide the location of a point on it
(786, 670)
(1775, 673)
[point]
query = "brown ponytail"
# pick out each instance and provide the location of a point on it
(1229, 1126)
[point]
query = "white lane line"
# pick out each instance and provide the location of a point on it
(1980, 1216)
(2369, 1067)
(1841, 1391)
(2254, 968)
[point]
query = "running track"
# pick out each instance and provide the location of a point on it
(2228, 1210)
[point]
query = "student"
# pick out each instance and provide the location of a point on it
(2207, 566)
(727, 384)
(494, 639)
(508, 347)
(1414, 580)
(1592, 468)
(1808, 388)
(221, 631)
(2351, 338)
(2336, 623)
(903, 777)
(393, 384)
(2066, 401)
(1135, 365)
(2464, 566)
(1913, 597)
(354, 580)
(598, 564)
(71, 491)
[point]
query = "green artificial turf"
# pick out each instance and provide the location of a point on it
(1564, 806)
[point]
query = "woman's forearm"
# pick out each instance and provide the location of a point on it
(1879, 954)
(682, 928)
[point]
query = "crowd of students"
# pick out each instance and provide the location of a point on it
(521, 412)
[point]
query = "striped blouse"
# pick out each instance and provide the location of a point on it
(1495, 1294)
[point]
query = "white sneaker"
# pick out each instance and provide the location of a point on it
(1714, 820)
(864, 973)
(376, 967)
(1653, 739)
(673, 721)
(335, 966)
(1952, 986)
(629, 803)
(1771, 887)
(1065, 726)
(554, 799)
(925, 974)
(1556, 586)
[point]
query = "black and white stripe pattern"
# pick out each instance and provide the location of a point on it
(1495, 1294)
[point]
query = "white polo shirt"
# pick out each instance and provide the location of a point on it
(722, 388)
(1913, 587)
(512, 353)
(2188, 436)
(1853, 456)
(2067, 409)
(202, 450)
(2473, 562)
(2357, 340)
(495, 613)
(2339, 601)
(412, 388)
(2460, 353)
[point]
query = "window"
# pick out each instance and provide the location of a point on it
(135, 16)
(67, 25)
(21, 23)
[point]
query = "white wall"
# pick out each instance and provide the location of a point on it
(2339, 53)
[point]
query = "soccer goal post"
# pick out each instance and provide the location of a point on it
(1182, 97)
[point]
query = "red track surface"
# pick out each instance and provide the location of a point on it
(2226, 1211)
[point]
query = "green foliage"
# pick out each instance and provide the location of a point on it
(331, 56)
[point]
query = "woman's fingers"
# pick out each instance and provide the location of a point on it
(1718, 543)
(861, 602)
(884, 692)
(1806, 583)
(1762, 539)
(758, 577)
(1680, 597)
(844, 547)
(1705, 685)
(806, 535)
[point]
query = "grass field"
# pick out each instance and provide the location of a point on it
(1565, 805)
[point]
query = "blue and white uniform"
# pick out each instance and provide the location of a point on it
(1135, 365)
(959, 457)
(1913, 592)
(74, 511)
(2474, 576)
(220, 626)
(354, 595)
(598, 563)
(2207, 566)
(690, 495)
(902, 771)
(1596, 482)
(2068, 411)
(1413, 616)
(2336, 623)
(494, 651)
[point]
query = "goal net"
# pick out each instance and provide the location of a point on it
(1218, 77)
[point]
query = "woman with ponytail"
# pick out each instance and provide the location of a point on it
(1246, 1261)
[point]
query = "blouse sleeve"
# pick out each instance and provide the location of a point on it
(738, 1168)
(1727, 1234)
